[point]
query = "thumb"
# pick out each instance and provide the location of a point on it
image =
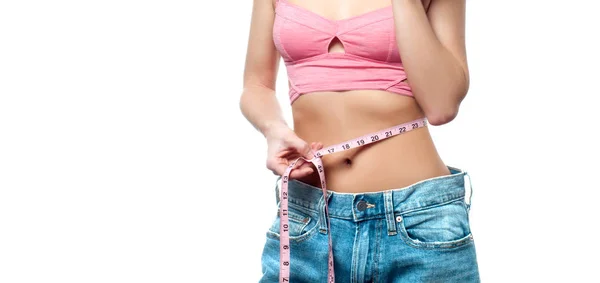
(303, 148)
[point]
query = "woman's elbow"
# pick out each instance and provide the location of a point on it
(446, 104)
(443, 113)
(440, 117)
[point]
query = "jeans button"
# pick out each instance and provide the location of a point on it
(361, 205)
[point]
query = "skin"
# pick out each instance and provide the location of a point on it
(430, 38)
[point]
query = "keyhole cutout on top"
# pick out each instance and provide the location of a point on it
(336, 46)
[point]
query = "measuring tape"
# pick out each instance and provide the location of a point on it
(284, 244)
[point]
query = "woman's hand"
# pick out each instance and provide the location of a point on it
(283, 147)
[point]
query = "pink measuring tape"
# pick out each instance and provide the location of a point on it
(284, 244)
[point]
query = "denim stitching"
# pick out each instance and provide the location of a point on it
(297, 239)
(305, 236)
(378, 228)
(434, 245)
(322, 219)
(355, 248)
(430, 206)
(389, 213)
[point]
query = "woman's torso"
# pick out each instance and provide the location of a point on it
(337, 116)
(334, 117)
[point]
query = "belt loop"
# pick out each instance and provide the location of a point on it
(470, 193)
(322, 218)
(389, 212)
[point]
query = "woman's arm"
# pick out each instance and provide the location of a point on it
(258, 102)
(432, 47)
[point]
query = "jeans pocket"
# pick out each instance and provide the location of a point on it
(436, 227)
(303, 223)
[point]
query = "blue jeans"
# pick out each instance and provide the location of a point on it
(419, 233)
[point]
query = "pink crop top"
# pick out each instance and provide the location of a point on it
(371, 59)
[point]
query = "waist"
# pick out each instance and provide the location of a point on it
(361, 206)
(335, 117)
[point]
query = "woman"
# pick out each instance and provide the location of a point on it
(392, 210)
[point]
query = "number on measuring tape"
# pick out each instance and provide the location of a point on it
(402, 129)
(360, 142)
(375, 138)
(388, 134)
(331, 150)
(346, 146)
(415, 125)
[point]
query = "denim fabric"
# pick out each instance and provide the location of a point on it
(419, 233)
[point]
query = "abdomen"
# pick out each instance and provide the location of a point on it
(334, 117)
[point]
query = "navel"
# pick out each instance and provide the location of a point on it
(347, 161)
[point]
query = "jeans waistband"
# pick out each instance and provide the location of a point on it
(372, 205)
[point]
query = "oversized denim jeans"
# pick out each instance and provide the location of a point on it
(419, 233)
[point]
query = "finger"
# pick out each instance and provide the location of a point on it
(281, 161)
(303, 148)
(316, 146)
(300, 162)
(277, 165)
(284, 152)
(285, 163)
(306, 165)
(278, 169)
(300, 173)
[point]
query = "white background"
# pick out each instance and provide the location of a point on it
(124, 156)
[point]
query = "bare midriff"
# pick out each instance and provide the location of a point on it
(396, 162)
